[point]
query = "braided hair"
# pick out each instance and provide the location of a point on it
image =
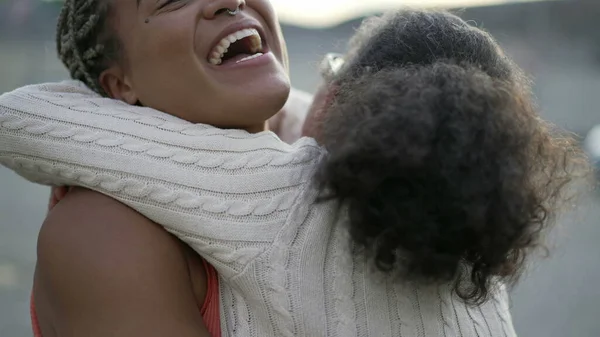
(84, 41)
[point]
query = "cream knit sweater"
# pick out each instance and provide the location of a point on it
(242, 201)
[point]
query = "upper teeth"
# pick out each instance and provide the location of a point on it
(216, 55)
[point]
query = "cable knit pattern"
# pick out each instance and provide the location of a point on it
(245, 203)
(278, 285)
(134, 188)
(444, 314)
(343, 283)
(478, 323)
(159, 151)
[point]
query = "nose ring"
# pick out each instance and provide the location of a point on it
(234, 12)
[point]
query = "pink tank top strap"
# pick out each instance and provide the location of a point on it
(34, 320)
(210, 311)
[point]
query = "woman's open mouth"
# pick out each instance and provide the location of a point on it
(243, 45)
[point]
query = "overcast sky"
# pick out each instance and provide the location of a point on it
(322, 13)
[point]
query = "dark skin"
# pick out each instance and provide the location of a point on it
(105, 270)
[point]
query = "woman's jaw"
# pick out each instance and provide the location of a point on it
(247, 64)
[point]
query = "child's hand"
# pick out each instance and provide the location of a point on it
(56, 195)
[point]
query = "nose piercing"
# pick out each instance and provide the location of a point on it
(234, 12)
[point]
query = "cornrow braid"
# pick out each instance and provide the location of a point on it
(84, 42)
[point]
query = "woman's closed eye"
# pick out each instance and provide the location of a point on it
(166, 3)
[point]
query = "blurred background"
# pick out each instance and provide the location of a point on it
(557, 42)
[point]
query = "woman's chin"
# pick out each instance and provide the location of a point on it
(260, 102)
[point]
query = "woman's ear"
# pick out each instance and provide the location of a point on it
(117, 86)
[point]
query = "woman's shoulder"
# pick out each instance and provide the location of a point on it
(89, 227)
(83, 210)
(100, 261)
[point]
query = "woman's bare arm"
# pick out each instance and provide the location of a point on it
(105, 270)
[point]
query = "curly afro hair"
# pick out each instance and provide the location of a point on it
(438, 155)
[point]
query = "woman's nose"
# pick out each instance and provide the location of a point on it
(215, 8)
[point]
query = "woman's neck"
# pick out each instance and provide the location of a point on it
(258, 128)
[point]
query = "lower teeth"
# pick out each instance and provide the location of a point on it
(250, 57)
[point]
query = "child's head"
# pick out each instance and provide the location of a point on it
(172, 56)
(437, 150)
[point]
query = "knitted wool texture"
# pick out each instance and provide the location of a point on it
(245, 203)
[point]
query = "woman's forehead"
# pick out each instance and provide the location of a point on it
(128, 7)
(124, 12)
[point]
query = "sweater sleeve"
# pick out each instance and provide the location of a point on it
(227, 193)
